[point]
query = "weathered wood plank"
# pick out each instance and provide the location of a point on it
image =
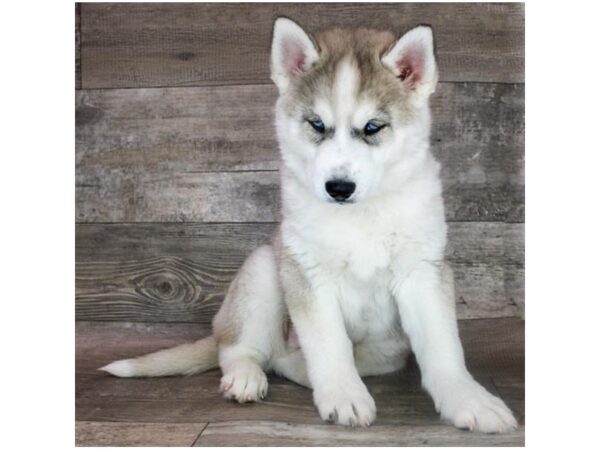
(77, 45)
(231, 128)
(157, 155)
(108, 196)
(180, 272)
(502, 358)
(174, 290)
(489, 346)
(123, 340)
(107, 434)
(149, 45)
(164, 196)
(281, 434)
(493, 347)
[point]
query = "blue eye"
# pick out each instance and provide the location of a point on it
(371, 129)
(318, 125)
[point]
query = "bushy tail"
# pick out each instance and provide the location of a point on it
(184, 359)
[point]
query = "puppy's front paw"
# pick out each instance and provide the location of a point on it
(347, 404)
(244, 382)
(468, 405)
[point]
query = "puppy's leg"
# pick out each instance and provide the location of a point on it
(338, 392)
(248, 327)
(426, 303)
(370, 358)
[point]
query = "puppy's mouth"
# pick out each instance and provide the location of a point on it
(349, 201)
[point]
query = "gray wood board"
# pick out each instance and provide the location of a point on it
(493, 351)
(209, 154)
(179, 272)
(107, 434)
(281, 434)
(493, 348)
(149, 45)
(77, 45)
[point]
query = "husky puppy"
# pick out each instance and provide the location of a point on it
(355, 278)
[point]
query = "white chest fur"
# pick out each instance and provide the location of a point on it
(356, 253)
(361, 250)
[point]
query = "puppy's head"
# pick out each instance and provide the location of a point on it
(351, 105)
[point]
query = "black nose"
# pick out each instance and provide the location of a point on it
(340, 190)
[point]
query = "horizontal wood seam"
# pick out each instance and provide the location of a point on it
(170, 86)
(200, 324)
(155, 222)
(174, 324)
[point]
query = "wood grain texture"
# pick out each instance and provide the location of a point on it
(149, 45)
(107, 434)
(493, 351)
(210, 154)
(77, 45)
(281, 434)
(180, 272)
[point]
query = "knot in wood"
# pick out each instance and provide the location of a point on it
(165, 285)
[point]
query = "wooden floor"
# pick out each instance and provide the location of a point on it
(188, 411)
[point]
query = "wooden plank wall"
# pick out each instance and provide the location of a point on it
(176, 159)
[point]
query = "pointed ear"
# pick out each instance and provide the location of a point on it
(293, 52)
(412, 60)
